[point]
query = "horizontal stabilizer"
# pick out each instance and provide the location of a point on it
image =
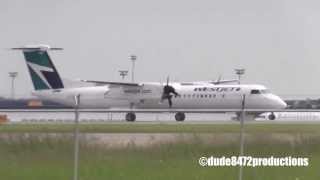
(36, 48)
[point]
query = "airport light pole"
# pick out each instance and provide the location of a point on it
(123, 73)
(242, 116)
(76, 138)
(133, 58)
(239, 72)
(13, 76)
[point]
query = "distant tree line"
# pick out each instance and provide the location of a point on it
(29, 103)
(304, 104)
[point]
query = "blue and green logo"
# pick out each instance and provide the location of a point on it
(42, 71)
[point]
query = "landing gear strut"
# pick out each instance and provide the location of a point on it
(130, 117)
(180, 116)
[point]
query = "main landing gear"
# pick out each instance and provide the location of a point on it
(131, 116)
(180, 116)
(272, 116)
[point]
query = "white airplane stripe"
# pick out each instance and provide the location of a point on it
(38, 70)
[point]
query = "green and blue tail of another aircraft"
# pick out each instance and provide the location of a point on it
(42, 71)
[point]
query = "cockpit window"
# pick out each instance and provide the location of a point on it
(255, 91)
(261, 91)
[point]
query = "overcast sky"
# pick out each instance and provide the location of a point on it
(277, 41)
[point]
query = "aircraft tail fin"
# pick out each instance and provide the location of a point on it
(42, 71)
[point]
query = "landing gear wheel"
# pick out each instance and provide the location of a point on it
(272, 116)
(130, 117)
(180, 116)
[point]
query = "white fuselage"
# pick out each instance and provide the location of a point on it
(148, 96)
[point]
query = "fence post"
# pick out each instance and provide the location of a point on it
(76, 137)
(242, 116)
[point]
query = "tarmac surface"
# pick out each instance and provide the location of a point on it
(157, 118)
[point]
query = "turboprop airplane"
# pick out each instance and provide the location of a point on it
(178, 97)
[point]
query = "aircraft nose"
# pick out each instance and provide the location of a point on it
(283, 104)
(279, 103)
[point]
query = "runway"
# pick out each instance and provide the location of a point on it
(161, 118)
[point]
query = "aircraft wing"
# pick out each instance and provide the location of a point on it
(101, 83)
(219, 81)
(224, 81)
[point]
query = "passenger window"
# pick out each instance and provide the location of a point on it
(255, 91)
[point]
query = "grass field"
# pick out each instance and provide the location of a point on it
(161, 128)
(23, 155)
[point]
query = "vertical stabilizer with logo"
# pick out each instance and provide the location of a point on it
(42, 71)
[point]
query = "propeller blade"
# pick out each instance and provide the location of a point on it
(170, 101)
(167, 93)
